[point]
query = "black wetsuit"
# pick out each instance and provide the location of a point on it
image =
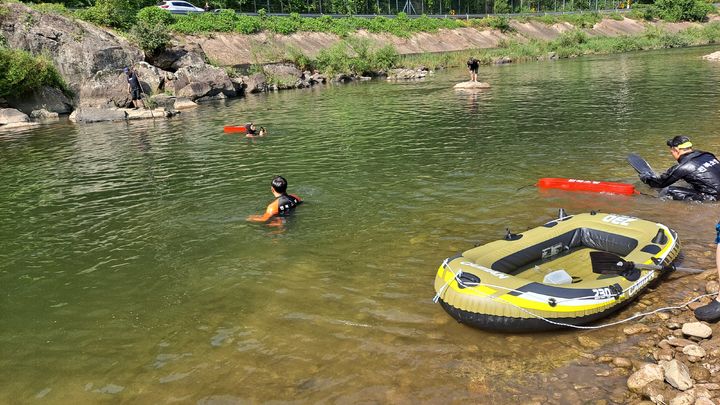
(699, 169)
(249, 130)
(284, 204)
(473, 65)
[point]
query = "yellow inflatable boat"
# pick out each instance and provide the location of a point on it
(543, 278)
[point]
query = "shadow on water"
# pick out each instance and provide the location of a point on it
(130, 274)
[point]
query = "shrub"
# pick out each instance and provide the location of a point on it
(21, 73)
(247, 25)
(570, 39)
(152, 38)
(683, 10)
(50, 8)
(154, 15)
(646, 12)
(110, 13)
(334, 59)
(386, 58)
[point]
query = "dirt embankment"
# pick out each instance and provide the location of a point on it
(237, 50)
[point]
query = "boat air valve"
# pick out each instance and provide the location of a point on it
(552, 302)
(562, 214)
(511, 236)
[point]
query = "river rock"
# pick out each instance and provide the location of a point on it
(645, 375)
(677, 374)
(622, 362)
(635, 329)
(195, 82)
(472, 86)
(656, 391)
(694, 350)
(184, 104)
(44, 98)
(12, 116)
(148, 113)
(685, 398)
(679, 342)
(588, 342)
(704, 401)
(406, 74)
(179, 56)
(78, 49)
(715, 56)
(43, 115)
(90, 114)
(256, 83)
(283, 75)
(663, 354)
(712, 287)
(697, 329)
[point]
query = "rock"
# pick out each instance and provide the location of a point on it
(700, 374)
(622, 362)
(679, 342)
(184, 104)
(685, 398)
(89, 114)
(712, 287)
(203, 81)
(472, 86)
(12, 116)
(163, 101)
(283, 75)
(43, 114)
(645, 375)
(677, 374)
(78, 49)
(715, 56)
(673, 325)
(406, 74)
(635, 329)
(552, 56)
(694, 350)
(109, 88)
(656, 391)
(588, 342)
(151, 78)
(704, 401)
(663, 316)
(697, 329)
(256, 83)
(180, 56)
(503, 60)
(147, 113)
(663, 354)
(45, 98)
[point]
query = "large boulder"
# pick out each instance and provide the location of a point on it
(109, 88)
(78, 49)
(45, 98)
(256, 83)
(89, 114)
(12, 116)
(180, 56)
(283, 76)
(202, 82)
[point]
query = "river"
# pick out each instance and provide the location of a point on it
(129, 274)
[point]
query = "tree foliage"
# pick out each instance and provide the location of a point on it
(21, 72)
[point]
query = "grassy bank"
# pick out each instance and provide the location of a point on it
(21, 73)
(571, 44)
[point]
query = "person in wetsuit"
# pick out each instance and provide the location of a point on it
(283, 204)
(711, 311)
(699, 169)
(473, 66)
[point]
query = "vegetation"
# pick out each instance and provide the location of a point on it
(21, 73)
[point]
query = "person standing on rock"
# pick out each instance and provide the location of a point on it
(473, 66)
(134, 87)
(711, 311)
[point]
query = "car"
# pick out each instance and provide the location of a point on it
(179, 7)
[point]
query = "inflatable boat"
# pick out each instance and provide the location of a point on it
(543, 278)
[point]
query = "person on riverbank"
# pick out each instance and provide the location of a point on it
(711, 311)
(473, 66)
(134, 88)
(283, 204)
(699, 169)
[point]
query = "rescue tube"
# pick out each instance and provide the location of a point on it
(234, 128)
(542, 279)
(587, 185)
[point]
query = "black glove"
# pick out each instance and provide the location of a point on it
(644, 177)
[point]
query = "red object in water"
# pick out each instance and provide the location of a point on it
(587, 185)
(234, 128)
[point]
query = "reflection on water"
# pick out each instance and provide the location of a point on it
(129, 272)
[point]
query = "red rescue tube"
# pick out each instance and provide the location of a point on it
(234, 128)
(587, 185)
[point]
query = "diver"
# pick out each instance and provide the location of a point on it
(711, 311)
(283, 204)
(699, 169)
(251, 130)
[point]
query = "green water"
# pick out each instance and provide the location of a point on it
(129, 274)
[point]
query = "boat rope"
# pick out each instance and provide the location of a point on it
(550, 321)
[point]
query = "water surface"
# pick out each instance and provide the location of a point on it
(129, 274)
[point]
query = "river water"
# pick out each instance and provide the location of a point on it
(129, 274)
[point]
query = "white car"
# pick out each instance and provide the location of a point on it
(179, 7)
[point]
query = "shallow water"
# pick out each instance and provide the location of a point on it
(129, 273)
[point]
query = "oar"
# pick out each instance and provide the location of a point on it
(610, 263)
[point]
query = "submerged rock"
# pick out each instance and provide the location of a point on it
(644, 376)
(472, 86)
(677, 374)
(715, 56)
